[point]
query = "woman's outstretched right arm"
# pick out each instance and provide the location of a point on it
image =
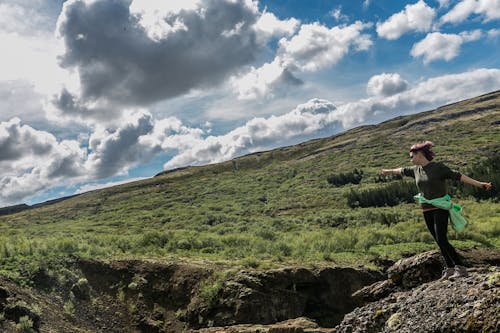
(386, 172)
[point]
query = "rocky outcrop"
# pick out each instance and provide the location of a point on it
(464, 305)
(201, 297)
(323, 295)
(414, 299)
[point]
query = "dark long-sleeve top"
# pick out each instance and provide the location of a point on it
(431, 179)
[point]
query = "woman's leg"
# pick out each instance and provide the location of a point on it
(441, 227)
(437, 223)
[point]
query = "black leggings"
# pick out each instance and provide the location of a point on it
(437, 223)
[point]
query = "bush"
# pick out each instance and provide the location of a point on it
(25, 324)
(154, 238)
(389, 195)
(340, 179)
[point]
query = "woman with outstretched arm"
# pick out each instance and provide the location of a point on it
(430, 178)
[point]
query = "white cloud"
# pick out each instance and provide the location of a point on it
(488, 9)
(452, 87)
(136, 140)
(416, 17)
(386, 84)
(313, 48)
(262, 81)
(32, 160)
(443, 3)
(160, 18)
(493, 33)
(437, 45)
(269, 26)
(316, 46)
(98, 186)
(258, 133)
(337, 14)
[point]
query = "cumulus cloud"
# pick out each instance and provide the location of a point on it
(313, 48)
(130, 54)
(444, 3)
(416, 17)
(386, 84)
(32, 160)
(488, 9)
(438, 45)
(493, 33)
(257, 133)
(136, 140)
(269, 26)
(337, 14)
(316, 46)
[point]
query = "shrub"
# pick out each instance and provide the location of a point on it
(154, 238)
(388, 195)
(25, 324)
(340, 179)
(210, 288)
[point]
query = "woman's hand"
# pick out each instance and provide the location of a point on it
(486, 186)
(385, 172)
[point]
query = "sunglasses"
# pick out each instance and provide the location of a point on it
(412, 153)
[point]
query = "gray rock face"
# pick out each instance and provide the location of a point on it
(277, 295)
(464, 305)
(413, 299)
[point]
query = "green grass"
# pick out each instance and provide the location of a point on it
(271, 208)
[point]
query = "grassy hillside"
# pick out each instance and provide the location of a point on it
(272, 207)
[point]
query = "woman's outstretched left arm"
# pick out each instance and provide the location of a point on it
(468, 180)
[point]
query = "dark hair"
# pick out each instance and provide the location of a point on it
(425, 148)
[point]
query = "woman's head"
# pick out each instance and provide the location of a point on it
(425, 148)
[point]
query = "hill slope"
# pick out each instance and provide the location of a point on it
(274, 206)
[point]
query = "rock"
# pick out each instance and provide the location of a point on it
(437, 306)
(413, 271)
(297, 325)
(276, 295)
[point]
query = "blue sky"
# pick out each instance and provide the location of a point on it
(94, 93)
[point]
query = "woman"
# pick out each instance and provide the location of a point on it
(430, 179)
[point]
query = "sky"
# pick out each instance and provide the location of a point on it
(95, 93)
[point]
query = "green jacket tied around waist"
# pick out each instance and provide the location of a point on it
(458, 222)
